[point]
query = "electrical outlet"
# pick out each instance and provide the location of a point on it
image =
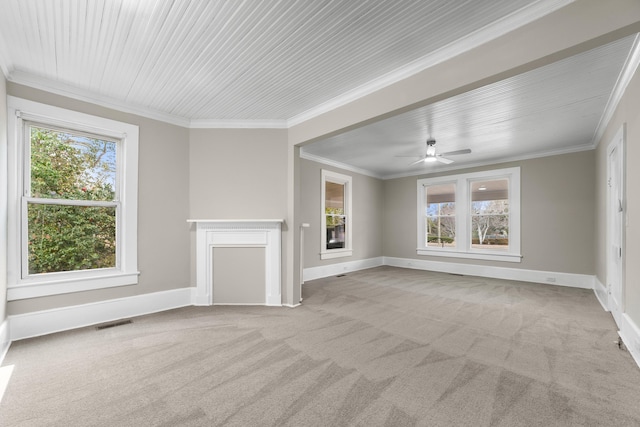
(551, 279)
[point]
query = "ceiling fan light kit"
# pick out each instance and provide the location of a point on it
(432, 157)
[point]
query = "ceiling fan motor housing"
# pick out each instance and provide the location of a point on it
(431, 149)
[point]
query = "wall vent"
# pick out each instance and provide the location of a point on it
(114, 324)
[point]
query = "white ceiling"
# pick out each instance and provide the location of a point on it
(276, 63)
(551, 110)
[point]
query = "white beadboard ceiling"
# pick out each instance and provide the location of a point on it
(558, 108)
(276, 63)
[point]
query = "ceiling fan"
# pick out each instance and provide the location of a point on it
(432, 156)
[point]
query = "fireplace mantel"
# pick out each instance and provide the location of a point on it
(211, 233)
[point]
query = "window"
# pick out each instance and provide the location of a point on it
(474, 215)
(336, 215)
(72, 201)
(490, 214)
(441, 215)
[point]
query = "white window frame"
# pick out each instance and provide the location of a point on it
(21, 285)
(463, 248)
(346, 180)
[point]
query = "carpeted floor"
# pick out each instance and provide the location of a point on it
(380, 347)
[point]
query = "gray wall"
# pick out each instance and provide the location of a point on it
(557, 215)
(628, 111)
(367, 211)
(238, 174)
(163, 201)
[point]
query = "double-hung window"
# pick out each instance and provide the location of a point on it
(475, 215)
(72, 201)
(336, 216)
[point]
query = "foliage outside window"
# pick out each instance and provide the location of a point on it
(336, 215)
(474, 215)
(71, 206)
(440, 215)
(72, 201)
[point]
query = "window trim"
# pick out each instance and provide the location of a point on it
(463, 247)
(346, 180)
(127, 137)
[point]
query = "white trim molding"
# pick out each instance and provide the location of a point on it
(462, 191)
(626, 74)
(630, 334)
(45, 322)
(601, 293)
(5, 339)
(328, 270)
(346, 181)
(583, 281)
(264, 233)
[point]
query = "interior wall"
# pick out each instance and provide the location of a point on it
(239, 174)
(163, 200)
(627, 111)
(557, 214)
(3, 199)
(367, 198)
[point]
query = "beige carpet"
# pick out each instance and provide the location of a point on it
(381, 347)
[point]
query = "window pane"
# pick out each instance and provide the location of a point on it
(68, 166)
(336, 227)
(334, 198)
(334, 209)
(68, 238)
(490, 214)
(440, 212)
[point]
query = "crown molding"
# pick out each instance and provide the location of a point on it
(69, 91)
(490, 32)
(338, 165)
(5, 62)
(626, 74)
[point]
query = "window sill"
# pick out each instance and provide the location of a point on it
(336, 253)
(493, 256)
(39, 287)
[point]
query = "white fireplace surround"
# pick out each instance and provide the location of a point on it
(243, 233)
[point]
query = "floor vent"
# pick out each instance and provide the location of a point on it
(114, 324)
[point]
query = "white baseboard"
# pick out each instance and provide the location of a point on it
(584, 281)
(601, 293)
(5, 340)
(61, 319)
(630, 334)
(319, 272)
(291, 305)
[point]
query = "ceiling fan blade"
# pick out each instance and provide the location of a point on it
(415, 155)
(420, 160)
(453, 153)
(443, 160)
